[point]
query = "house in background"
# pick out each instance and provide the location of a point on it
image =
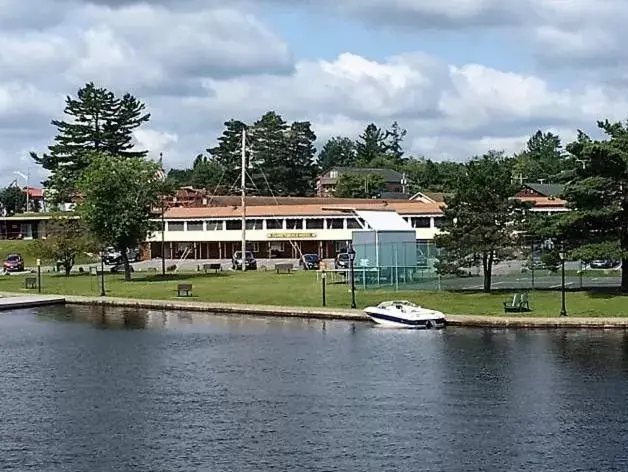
(395, 181)
(541, 190)
(429, 197)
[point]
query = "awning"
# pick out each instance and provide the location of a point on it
(384, 220)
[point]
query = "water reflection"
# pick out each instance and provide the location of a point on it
(117, 389)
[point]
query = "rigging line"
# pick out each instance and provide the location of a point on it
(213, 194)
(294, 245)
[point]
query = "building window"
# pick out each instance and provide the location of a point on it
(335, 223)
(294, 224)
(214, 225)
(175, 226)
(314, 223)
(333, 174)
(253, 247)
(353, 223)
(439, 222)
(233, 225)
(254, 224)
(274, 224)
(195, 226)
(420, 222)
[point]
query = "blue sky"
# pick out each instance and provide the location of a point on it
(462, 76)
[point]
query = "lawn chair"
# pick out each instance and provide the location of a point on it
(519, 304)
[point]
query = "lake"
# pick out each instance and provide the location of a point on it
(93, 389)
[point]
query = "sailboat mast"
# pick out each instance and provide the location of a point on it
(243, 199)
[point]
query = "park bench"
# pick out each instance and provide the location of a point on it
(519, 304)
(214, 266)
(285, 268)
(30, 282)
(184, 290)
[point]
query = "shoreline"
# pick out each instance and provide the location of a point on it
(478, 321)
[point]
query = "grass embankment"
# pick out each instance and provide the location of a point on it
(28, 251)
(303, 289)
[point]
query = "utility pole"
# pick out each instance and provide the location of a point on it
(243, 199)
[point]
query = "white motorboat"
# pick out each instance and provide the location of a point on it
(405, 314)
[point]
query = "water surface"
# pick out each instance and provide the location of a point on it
(87, 390)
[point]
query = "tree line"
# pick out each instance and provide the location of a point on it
(94, 160)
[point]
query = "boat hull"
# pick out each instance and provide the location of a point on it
(391, 321)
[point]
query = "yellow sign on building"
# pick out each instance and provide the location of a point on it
(291, 235)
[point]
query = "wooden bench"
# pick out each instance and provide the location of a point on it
(518, 304)
(184, 290)
(30, 282)
(285, 268)
(214, 266)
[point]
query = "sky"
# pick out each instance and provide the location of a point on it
(462, 76)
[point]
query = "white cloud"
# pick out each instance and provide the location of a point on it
(196, 69)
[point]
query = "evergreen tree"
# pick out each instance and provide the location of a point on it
(228, 154)
(394, 138)
(370, 145)
(269, 155)
(302, 169)
(597, 225)
(96, 122)
(337, 152)
(481, 216)
(207, 173)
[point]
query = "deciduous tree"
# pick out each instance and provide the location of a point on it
(337, 152)
(12, 200)
(66, 239)
(359, 185)
(119, 197)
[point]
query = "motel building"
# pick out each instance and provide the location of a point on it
(289, 230)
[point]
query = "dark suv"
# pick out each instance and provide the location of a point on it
(13, 263)
(310, 262)
(236, 261)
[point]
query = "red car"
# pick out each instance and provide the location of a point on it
(13, 263)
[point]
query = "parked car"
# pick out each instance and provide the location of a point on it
(342, 261)
(119, 268)
(113, 256)
(603, 264)
(13, 263)
(310, 262)
(250, 262)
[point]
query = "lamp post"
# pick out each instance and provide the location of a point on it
(163, 237)
(323, 283)
(102, 274)
(563, 309)
(39, 275)
(351, 253)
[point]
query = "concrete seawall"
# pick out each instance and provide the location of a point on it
(478, 321)
(353, 315)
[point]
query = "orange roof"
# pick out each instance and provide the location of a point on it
(545, 202)
(402, 207)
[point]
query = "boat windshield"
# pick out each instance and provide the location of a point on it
(395, 303)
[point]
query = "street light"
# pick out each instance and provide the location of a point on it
(102, 274)
(351, 253)
(563, 255)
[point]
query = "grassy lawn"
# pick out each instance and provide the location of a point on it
(27, 250)
(302, 289)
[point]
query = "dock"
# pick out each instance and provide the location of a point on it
(30, 301)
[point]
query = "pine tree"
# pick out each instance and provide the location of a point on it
(370, 145)
(597, 225)
(394, 138)
(302, 169)
(228, 154)
(269, 155)
(481, 217)
(97, 122)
